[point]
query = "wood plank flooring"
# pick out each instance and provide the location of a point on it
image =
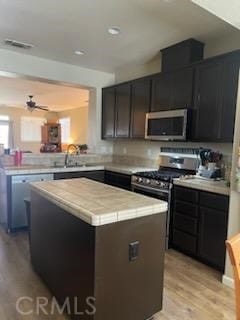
(192, 291)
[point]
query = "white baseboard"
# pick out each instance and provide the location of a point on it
(228, 281)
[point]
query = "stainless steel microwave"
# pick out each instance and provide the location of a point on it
(167, 125)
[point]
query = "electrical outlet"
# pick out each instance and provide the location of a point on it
(124, 150)
(133, 250)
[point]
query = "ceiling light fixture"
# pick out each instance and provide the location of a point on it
(79, 52)
(114, 31)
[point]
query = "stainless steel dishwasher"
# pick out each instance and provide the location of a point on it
(20, 189)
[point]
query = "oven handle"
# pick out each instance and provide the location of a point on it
(137, 186)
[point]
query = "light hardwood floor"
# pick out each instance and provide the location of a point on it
(192, 291)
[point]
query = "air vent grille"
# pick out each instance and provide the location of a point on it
(17, 44)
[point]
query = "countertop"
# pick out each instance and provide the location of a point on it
(204, 185)
(111, 166)
(97, 203)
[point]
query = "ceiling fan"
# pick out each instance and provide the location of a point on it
(31, 105)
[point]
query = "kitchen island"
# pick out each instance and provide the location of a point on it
(95, 244)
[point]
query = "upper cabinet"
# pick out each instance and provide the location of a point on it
(182, 96)
(172, 90)
(215, 97)
(108, 113)
(209, 88)
(207, 100)
(140, 106)
(229, 98)
(161, 92)
(123, 110)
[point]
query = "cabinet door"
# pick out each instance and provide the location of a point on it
(140, 106)
(229, 100)
(182, 95)
(93, 175)
(108, 113)
(118, 180)
(207, 100)
(212, 236)
(123, 109)
(162, 85)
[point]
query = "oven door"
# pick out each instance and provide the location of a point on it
(166, 125)
(148, 191)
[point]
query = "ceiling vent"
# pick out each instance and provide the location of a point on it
(17, 44)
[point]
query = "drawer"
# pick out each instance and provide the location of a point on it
(185, 223)
(185, 242)
(186, 208)
(214, 201)
(186, 194)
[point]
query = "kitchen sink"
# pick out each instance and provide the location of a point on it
(68, 166)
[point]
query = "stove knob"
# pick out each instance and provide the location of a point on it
(148, 181)
(140, 180)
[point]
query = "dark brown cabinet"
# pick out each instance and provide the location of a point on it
(118, 180)
(212, 235)
(161, 92)
(199, 225)
(123, 110)
(93, 175)
(207, 100)
(209, 88)
(140, 106)
(228, 107)
(108, 112)
(182, 96)
(216, 86)
(172, 90)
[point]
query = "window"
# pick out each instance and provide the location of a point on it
(31, 129)
(5, 118)
(65, 129)
(4, 131)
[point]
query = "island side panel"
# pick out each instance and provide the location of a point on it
(130, 289)
(62, 252)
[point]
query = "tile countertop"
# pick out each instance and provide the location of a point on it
(204, 185)
(96, 203)
(115, 167)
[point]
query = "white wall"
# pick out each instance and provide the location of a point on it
(234, 210)
(27, 65)
(213, 47)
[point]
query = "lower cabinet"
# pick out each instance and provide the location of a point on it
(94, 175)
(112, 178)
(199, 225)
(212, 235)
(118, 179)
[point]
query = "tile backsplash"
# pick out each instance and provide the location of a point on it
(148, 151)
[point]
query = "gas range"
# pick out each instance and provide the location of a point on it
(172, 165)
(158, 184)
(159, 179)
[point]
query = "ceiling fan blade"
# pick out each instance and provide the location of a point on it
(42, 108)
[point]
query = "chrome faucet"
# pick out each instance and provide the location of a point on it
(66, 162)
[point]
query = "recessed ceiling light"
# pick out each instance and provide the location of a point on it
(114, 30)
(79, 52)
